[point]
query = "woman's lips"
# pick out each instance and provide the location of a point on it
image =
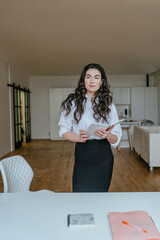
(91, 86)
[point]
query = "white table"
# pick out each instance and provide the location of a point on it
(37, 216)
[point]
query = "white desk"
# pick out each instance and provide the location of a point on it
(37, 216)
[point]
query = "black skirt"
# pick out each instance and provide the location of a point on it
(93, 166)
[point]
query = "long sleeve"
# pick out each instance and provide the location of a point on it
(117, 129)
(65, 123)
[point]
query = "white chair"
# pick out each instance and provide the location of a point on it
(16, 174)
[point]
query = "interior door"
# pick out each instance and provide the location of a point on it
(17, 116)
(27, 116)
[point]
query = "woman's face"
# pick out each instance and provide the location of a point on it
(93, 80)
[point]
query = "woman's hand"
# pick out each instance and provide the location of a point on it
(102, 133)
(83, 136)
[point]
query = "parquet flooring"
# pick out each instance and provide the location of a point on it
(52, 163)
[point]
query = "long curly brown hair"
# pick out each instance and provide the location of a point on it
(103, 95)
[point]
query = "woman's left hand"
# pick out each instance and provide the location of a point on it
(102, 133)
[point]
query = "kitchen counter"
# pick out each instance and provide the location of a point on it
(130, 123)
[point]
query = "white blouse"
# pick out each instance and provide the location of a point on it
(68, 124)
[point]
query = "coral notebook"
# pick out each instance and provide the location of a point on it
(137, 225)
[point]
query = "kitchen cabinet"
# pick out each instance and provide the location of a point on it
(56, 96)
(137, 103)
(121, 96)
(144, 103)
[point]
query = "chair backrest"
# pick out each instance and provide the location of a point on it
(16, 174)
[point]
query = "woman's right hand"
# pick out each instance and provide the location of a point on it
(83, 137)
(73, 137)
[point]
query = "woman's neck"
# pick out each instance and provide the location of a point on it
(91, 95)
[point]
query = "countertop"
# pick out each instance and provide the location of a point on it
(130, 123)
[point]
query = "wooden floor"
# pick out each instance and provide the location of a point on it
(52, 164)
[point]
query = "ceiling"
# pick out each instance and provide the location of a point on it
(59, 37)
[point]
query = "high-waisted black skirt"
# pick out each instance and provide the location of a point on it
(93, 166)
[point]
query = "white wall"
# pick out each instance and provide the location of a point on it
(128, 80)
(157, 83)
(19, 77)
(4, 110)
(39, 87)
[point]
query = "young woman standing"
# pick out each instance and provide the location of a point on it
(91, 103)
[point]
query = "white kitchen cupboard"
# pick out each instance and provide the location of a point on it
(56, 96)
(151, 104)
(144, 103)
(121, 95)
(137, 103)
(116, 95)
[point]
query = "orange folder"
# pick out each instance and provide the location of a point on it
(137, 225)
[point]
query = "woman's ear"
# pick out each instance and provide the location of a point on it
(102, 81)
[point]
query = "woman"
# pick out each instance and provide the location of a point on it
(91, 103)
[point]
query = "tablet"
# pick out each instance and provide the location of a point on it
(94, 126)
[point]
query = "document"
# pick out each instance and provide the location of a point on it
(94, 126)
(136, 225)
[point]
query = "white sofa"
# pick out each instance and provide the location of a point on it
(147, 144)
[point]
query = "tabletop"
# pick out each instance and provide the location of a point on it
(40, 216)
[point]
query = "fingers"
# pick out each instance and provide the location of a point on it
(83, 135)
(112, 138)
(102, 133)
(82, 131)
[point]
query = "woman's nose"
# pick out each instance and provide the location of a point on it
(92, 79)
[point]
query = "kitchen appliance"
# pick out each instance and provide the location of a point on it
(123, 111)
